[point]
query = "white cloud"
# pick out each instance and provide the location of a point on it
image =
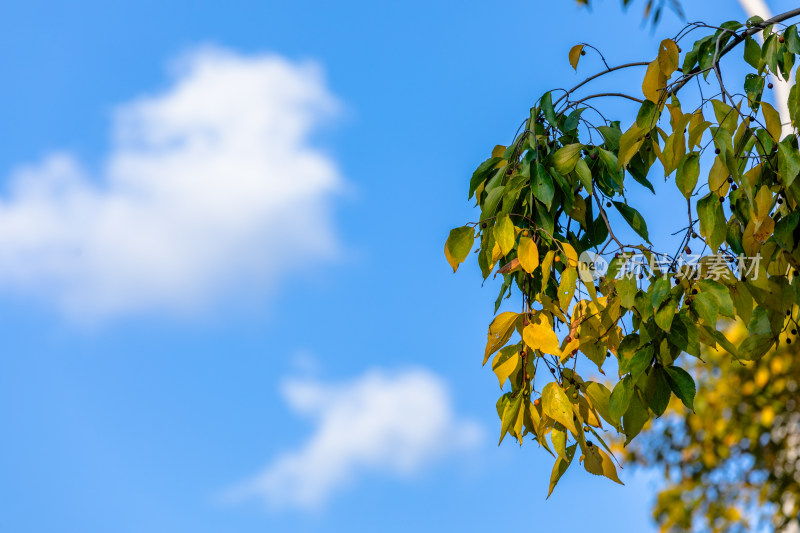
(380, 422)
(208, 186)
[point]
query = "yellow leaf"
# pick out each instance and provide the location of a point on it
(572, 255)
(763, 202)
(528, 254)
(504, 234)
(571, 346)
(556, 405)
(540, 336)
(500, 331)
(547, 264)
(763, 230)
(566, 288)
(575, 55)
(505, 362)
(498, 151)
(750, 245)
(668, 56)
(697, 125)
(654, 82)
(718, 177)
(598, 463)
(773, 121)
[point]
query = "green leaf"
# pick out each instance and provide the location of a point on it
(681, 384)
(481, 173)
(657, 390)
(752, 53)
(634, 418)
(640, 362)
(755, 347)
(634, 219)
(644, 119)
(620, 398)
(547, 108)
(584, 174)
(688, 172)
(489, 206)
(659, 291)
(788, 161)
(706, 307)
(721, 294)
(542, 185)
(665, 315)
(458, 245)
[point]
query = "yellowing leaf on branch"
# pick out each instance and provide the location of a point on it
(505, 362)
(654, 82)
(528, 254)
(575, 55)
(772, 120)
(458, 245)
(504, 234)
(500, 331)
(557, 406)
(668, 57)
(498, 151)
(540, 336)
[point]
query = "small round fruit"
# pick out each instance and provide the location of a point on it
(769, 86)
(484, 225)
(780, 39)
(694, 291)
(716, 151)
(583, 52)
(694, 235)
(730, 180)
(608, 204)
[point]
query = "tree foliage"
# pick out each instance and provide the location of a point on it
(554, 205)
(734, 463)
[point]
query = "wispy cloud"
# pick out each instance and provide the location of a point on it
(210, 185)
(393, 423)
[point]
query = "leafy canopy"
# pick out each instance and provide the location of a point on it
(546, 207)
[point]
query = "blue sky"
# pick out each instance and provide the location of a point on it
(192, 303)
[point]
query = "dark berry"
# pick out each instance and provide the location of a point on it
(641, 276)
(552, 370)
(769, 86)
(687, 250)
(509, 171)
(716, 151)
(694, 235)
(794, 332)
(734, 187)
(730, 180)
(593, 156)
(583, 52)
(694, 291)
(780, 39)
(484, 225)
(788, 341)
(589, 443)
(721, 199)
(780, 200)
(608, 204)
